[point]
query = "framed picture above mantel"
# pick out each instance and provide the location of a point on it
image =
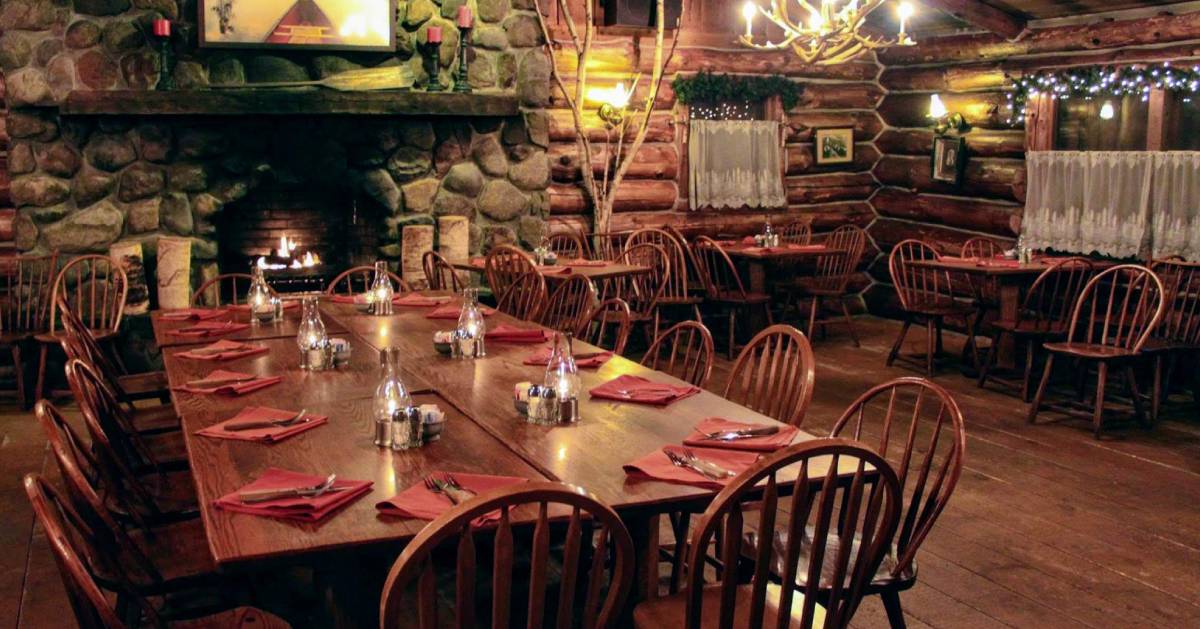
(351, 25)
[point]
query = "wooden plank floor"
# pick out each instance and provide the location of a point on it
(1048, 527)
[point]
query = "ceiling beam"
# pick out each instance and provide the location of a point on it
(987, 17)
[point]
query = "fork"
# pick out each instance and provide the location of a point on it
(436, 487)
(678, 461)
(314, 491)
(452, 483)
(717, 470)
(273, 423)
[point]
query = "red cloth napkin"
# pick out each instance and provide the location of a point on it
(230, 350)
(192, 314)
(749, 240)
(505, 333)
(656, 466)
(629, 388)
(1001, 263)
(766, 443)
(287, 305)
(260, 382)
(304, 509)
(264, 435)
(452, 312)
(210, 328)
(956, 259)
(542, 357)
(477, 262)
(418, 300)
(797, 247)
(422, 504)
(584, 262)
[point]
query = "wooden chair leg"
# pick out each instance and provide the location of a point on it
(1098, 410)
(931, 344)
(899, 341)
(891, 603)
(115, 350)
(849, 322)
(1030, 350)
(1136, 395)
(812, 316)
(940, 346)
(770, 315)
(682, 523)
(732, 331)
(1041, 392)
(19, 369)
(1157, 389)
(986, 367)
(40, 387)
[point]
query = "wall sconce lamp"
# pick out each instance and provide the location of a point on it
(614, 102)
(944, 120)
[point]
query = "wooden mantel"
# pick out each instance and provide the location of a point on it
(232, 102)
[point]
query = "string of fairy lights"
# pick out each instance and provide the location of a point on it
(1103, 82)
(727, 110)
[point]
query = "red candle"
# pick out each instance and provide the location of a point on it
(162, 28)
(464, 16)
(433, 35)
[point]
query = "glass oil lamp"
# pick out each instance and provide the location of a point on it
(315, 351)
(259, 298)
(468, 336)
(379, 297)
(560, 387)
(393, 405)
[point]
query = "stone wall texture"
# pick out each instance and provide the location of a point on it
(81, 183)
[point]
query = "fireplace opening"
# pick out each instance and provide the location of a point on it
(302, 236)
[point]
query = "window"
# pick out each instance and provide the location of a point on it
(1111, 124)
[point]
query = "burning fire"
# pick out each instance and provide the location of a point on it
(287, 247)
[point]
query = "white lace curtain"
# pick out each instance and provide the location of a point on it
(1120, 204)
(735, 163)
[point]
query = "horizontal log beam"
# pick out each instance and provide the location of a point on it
(562, 127)
(995, 178)
(988, 110)
(831, 187)
(840, 96)
(653, 161)
(980, 215)
(632, 195)
(803, 125)
(980, 142)
(801, 160)
(984, 16)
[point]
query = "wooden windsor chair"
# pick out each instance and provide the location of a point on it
(25, 309)
(358, 279)
(1113, 318)
(920, 431)
(840, 486)
(1178, 334)
(76, 543)
(608, 245)
(78, 342)
(830, 278)
(567, 245)
(504, 265)
(1044, 315)
(95, 287)
(796, 233)
(677, 292)
(569, 305)
(685, 350)
(774, 375)
(525, 297)
(439, 274)
(695, 275)
(985, 290)
(610, 314)
(640, 291)
(724, 287)
(227, 288)
(927, 294)
(596, 545)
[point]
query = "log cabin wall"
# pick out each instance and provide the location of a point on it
(654, 191)
(969, 72)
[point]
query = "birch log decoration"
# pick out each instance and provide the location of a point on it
(129, 256)
(174, 273)
(415, 240)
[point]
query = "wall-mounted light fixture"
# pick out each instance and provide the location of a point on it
(943, 119)
(1107, 111)
(613, 102)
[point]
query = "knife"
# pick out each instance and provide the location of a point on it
(745, 433)
(217, 351)
(216, 384)
(271, 423)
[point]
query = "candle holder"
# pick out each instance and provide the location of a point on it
(429, 54)
(166, 80)
(462, 81)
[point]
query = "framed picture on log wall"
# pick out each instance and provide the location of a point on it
(835, 146)
(949, 159)
(365, 25)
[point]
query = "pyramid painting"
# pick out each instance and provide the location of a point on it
(347, 24)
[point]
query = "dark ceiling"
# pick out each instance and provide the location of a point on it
(934, 21)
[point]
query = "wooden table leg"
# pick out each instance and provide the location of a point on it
(1010, 302)
(645, 544)
(756, 271)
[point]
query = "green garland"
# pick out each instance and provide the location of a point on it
(1098, 82)
(706, 87)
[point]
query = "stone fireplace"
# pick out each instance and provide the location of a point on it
(98, 158)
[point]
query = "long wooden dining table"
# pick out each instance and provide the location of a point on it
(483, 434)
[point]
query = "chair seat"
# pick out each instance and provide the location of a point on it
(179, 551)
(661, 613)
(679, 301)
(150, 384)
(944, 308)
(820, 286)
(1032, 328)
(13, 338)
(56, 338)
(884, 576)
(1090, 350)
(174, 494)
(237, 618)
(167, 448)
(155, 419)
(734, 297)
(1167, 345)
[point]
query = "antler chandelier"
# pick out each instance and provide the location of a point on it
(827, 34)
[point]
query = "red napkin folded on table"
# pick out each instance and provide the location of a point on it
(229, 350)
(310, 509)
(420, 503)
(765, 443)
(796, 247)
(192, 314)
(210, 328)
(271, 434)
(240, 388)
(1001, 263)
(452, 312)
(584, 262)
(477, 262)
(956, 259)
(505, 333)
(542, 357)
(287, 305)
(656, 466)
(418, 300)
(749, 240)
(629, 388)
